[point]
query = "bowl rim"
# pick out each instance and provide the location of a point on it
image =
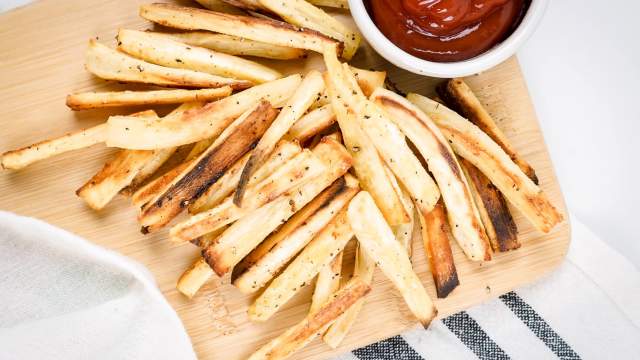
(484, 61)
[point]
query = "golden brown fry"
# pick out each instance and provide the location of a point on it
(161, 50)
(252, 5)
(327, 283)
(311, 124)
(317, 254)
(266, 260)
(301, 334)
(93, 100)
(478, 148)
(309, 89)
(305, 15)
(363, 269)
(208, 167)
(194, 277)
(225, 186)
(434, 148)
(263, 30)
(404, 232)
(113, 177)
(493, 209)
(197, 124)
(375, 236)
(245, 234)
(459, 97)
(340, 4)
(159, 158)
(221, 6)
(435, 237)
(110, 64)
(300, 169)
(234, 45)
(158, 186)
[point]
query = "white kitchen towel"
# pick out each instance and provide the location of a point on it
(589, 308)
(62, 297)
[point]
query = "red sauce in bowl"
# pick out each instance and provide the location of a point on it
(447, 30)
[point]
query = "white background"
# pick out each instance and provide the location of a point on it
(583, 70)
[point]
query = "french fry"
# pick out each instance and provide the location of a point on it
(367, 162)
(312, 123)
(20, 158)
(435, 237)
(246, 233)
(368, 80)
(340, 4)
(198, 148)
(109, 64)
(208, 167)
(221, 6)
(459, 97)
(375, 236)
(225, 186)
(404, 232)
(471, 143)
(327, 283)
(434, 148)
(158, 186)
(363, 269)
(253, 5)
(266, 260)
(194, 277)
(306, 15)
(113, 177)
(493, 209)
(305, 331)
(300, 169)
(159, 158)
(94, 100)
(317, 254)
(195, 125)
(234, 45)
(161, 50)
(263, 30)
(309, 89)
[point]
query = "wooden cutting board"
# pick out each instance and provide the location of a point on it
(42, 47)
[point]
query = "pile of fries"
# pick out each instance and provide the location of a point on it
(278, 174)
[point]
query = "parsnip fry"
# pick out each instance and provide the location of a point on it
(312, 124)
(305, 15)
(161, 50)
(158, 186)
(113, 177)
(340, 4)
(375, 236)
(234, 45)
(159, 158)
(478, 148)
(327, 283)
(368, 80)
(300, 169)
(305, 331)
(224, 187)
(93, 100)
(435, 237)
(195, 125)
(109, 64)
(208, 167)
(363, 269)
(434, 148)
(404, 232)
(317, 254)
(459, 97)
(493, 209)
(265, 261)
(194, 277)
(263, 30)
(309, 89)
(245, 234)
(221, 6)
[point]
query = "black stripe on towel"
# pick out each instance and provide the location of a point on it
(538, 326)
(473, 336)
(393, 348)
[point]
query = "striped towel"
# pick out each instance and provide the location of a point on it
(589, 308)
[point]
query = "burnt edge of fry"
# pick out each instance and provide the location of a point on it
(245, 176)
(457, 104)
(497, 209)
(211, 166)
(446, 281)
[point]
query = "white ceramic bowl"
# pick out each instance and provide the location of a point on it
(484, 61)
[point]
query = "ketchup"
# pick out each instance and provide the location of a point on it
(447, 30)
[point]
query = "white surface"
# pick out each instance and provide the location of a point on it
(65, 298)
(582, 67)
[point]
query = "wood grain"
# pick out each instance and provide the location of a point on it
(42, 47)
